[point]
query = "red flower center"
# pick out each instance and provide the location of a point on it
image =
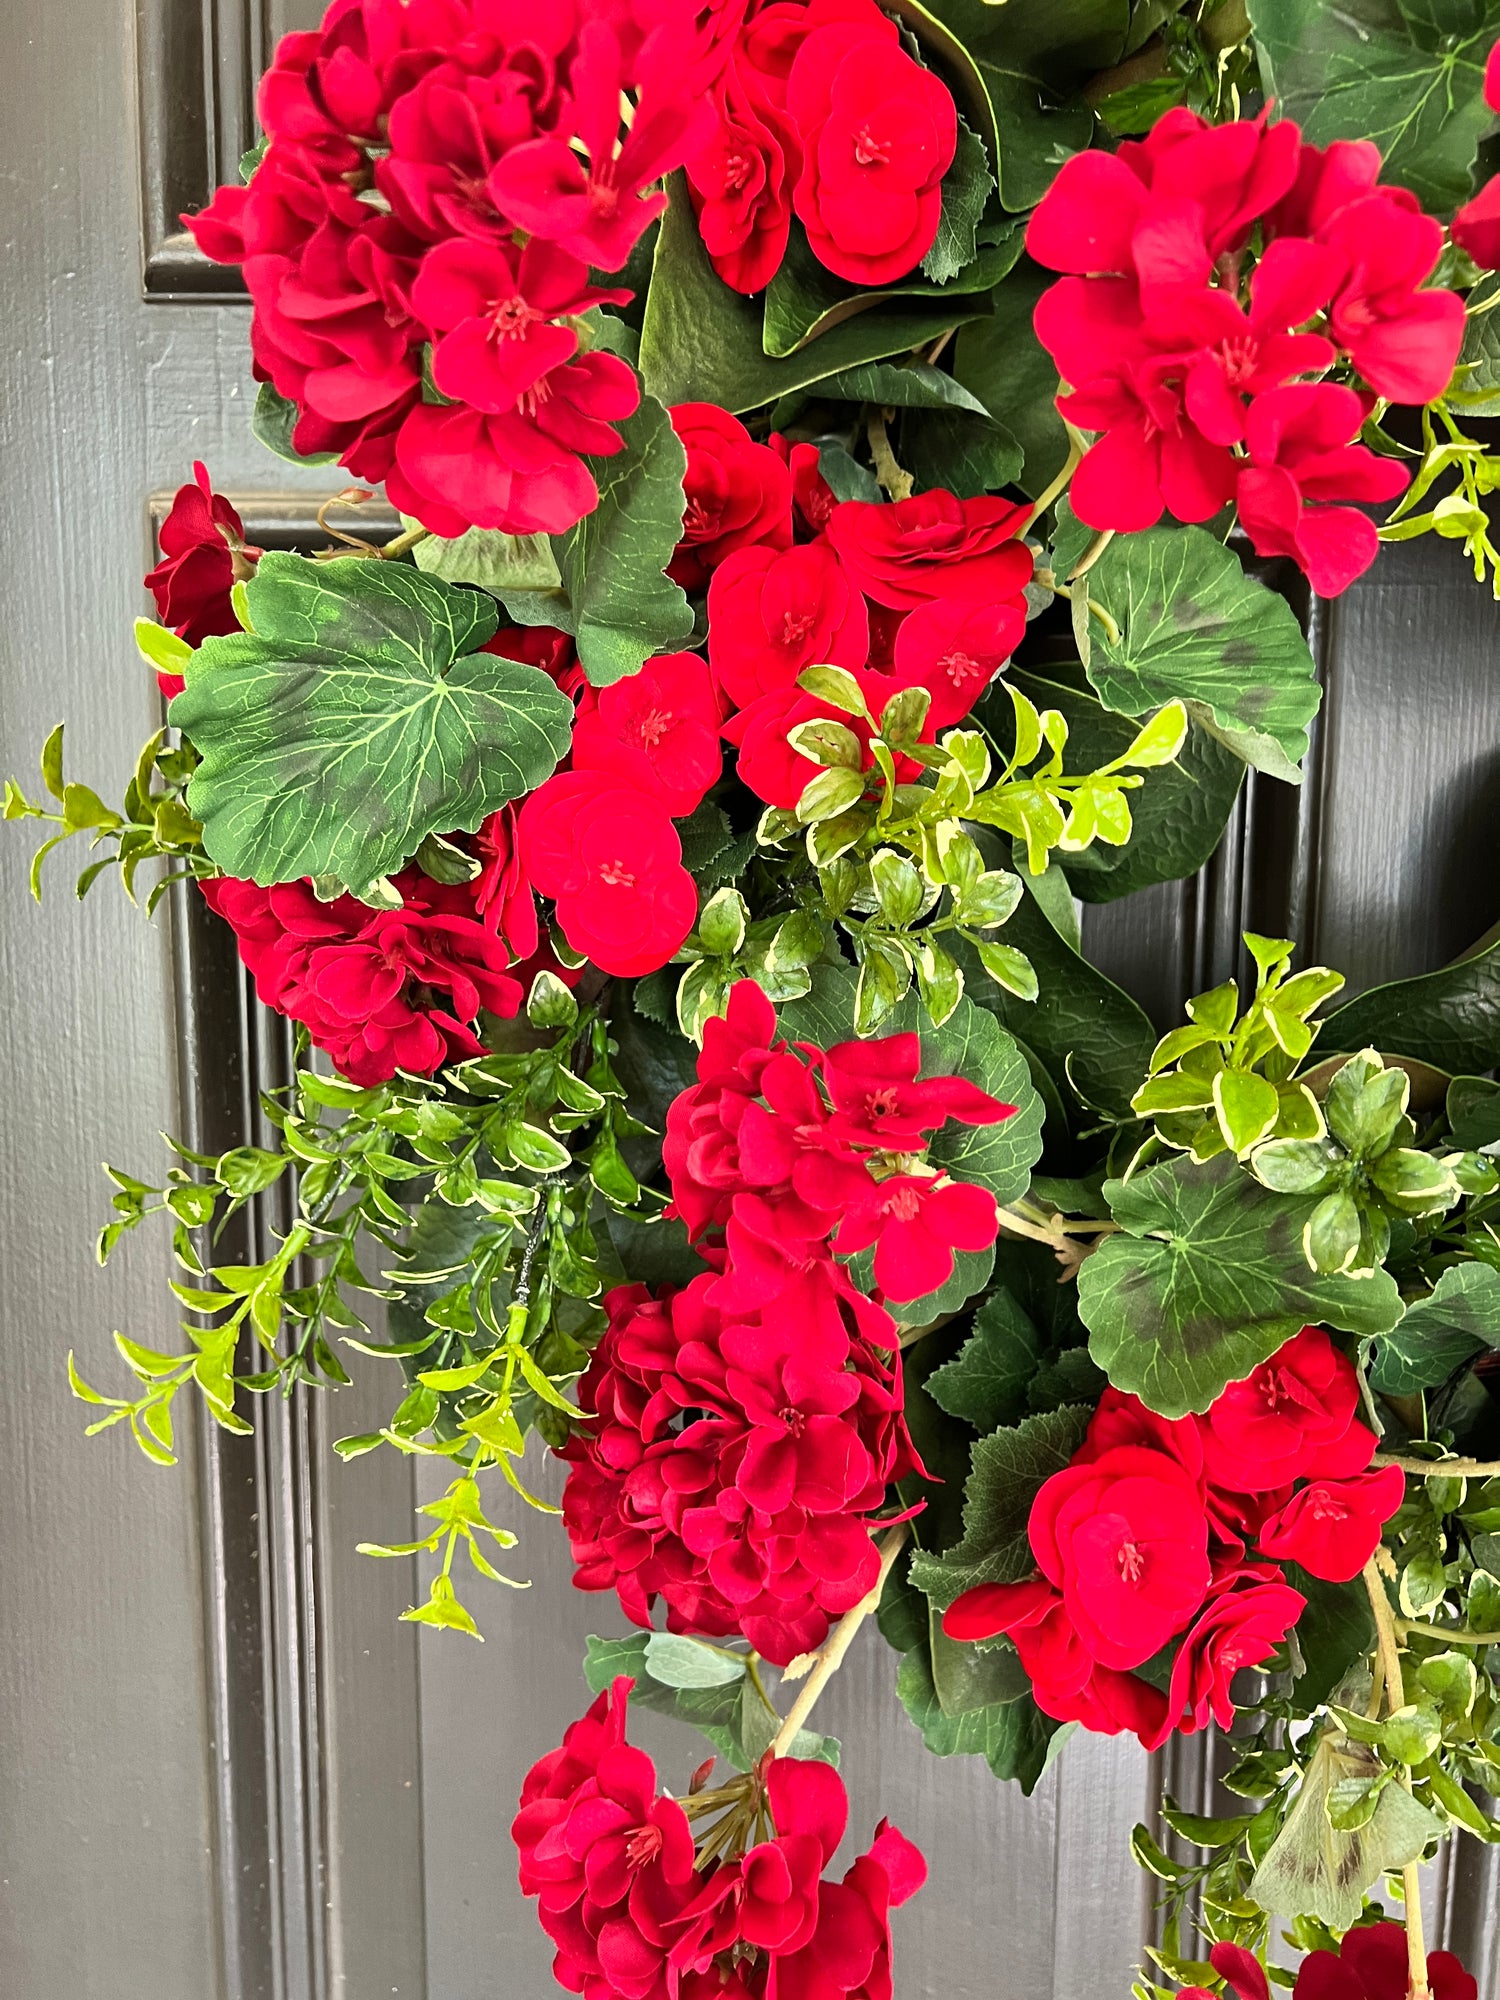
(794, 1420)
(643, 1846)
(616, 875)
(652, 727)
(795, 627)
(958, 667)
(870, 150)
(1132, 1562)
(1239, 358)
(736, 171)
(1325, 1507)
(509, 318)
(881, 1103)
(903, 1205)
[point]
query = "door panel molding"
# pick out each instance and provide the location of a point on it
(312, 1681)
(197, 65)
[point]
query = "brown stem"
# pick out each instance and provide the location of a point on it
(1388, 1643)
(838, 1642)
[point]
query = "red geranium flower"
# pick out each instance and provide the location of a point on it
(954, 648)
(1292, 1417)
(1303, 463)
(657, 730)
(878, 133)
(774, 611)
(610, 859)
(200, 539)
(737, 493)
(1239, 1629)
(916, 1222)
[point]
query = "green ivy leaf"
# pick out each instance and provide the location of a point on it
(701, 341)
(1449, 1018)
(357, 717)
(1028, 54)
(966, 188)
(1195, 628)
(1206, 1280)
(1009, 1468)
(1370, 69)
(805, 301)
(1458, 1319)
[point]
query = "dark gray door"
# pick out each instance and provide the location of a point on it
(226, 1771)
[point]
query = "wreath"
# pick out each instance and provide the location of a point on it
(840, 453)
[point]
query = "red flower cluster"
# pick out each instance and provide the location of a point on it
(610, 1861)
(1476, 227)
(818, 109)
(201, 538)
(747, 1427)
(1193, 372)
(1370, 1964)
(599, 838)
(1164, 1531)
(382, 990)
(442, 174)
(927, 592)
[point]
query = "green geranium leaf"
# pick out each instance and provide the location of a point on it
(356, 717)
(986, 1381)
(966, 188)
(1206, 1280)
(1449, 1018)
(1178, 816)
(1194, 628)
(701, 342)
(1001, 360)
(1009, 1468)
(1458, 1319)
(497, 563)
(1370, 69)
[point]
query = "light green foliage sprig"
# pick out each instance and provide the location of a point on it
(153, 823)
(898, 864)
(1227, 1081)
(477, 1195)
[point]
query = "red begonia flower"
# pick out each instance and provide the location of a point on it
(1293, 1416)
(1302, 463)
(739, 178)
(934, 545)
(200, 538)
(1332, 1526)
(954, 648)
(737, 493)
(1125, 1540)
(610, 859)
(878, 132)
(769, 765)
(657, 730)
(772, 612)
(503, 897)
(1240, 1629)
